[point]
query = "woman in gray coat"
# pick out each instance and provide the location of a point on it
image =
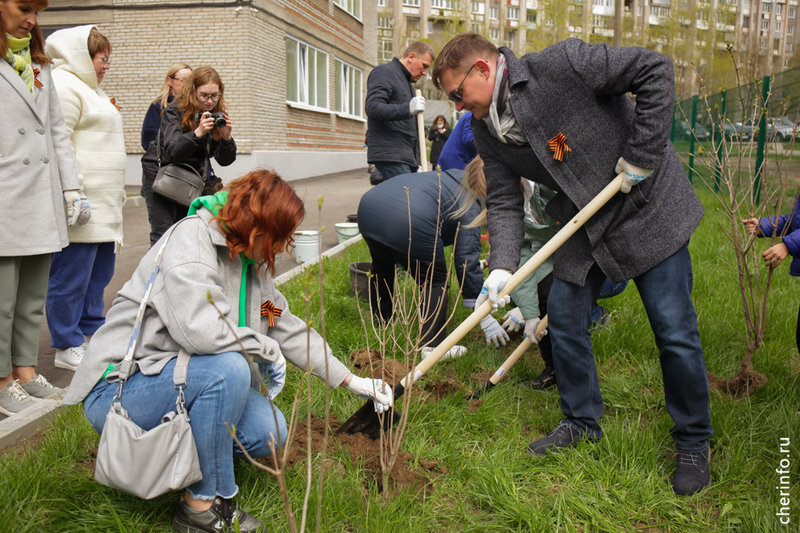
(38, 173)
(225, 252)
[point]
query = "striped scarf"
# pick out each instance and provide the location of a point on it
(18, 55)
(501, 121)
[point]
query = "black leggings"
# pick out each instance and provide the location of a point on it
(545, 347)
(797, 331)
(432, 277)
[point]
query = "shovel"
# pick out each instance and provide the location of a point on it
(367, 421)
(423, 152)
(511, 361)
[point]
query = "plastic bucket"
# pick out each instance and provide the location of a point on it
(346, 230)
(359, 282)
(306, 245)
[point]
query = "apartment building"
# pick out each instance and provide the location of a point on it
(294, 72)
(763, 33)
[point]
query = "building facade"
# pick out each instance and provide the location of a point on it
(294, 72)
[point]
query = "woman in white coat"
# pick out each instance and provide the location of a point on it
(80, 273)
(38, 173)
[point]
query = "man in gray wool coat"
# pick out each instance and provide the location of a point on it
(562, 118)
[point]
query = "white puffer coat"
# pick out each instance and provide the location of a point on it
(95, 129)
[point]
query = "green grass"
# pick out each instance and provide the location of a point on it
(619, 484)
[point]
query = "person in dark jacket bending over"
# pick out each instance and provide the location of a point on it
(562, 118)
(436, 220)
(391, 109)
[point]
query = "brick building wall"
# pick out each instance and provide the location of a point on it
(245, 43)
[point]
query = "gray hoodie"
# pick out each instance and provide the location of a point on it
(197, 263)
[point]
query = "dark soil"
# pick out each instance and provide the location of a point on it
(743, 384)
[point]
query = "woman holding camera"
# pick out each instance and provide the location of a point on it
(194, 128)
(438, 135)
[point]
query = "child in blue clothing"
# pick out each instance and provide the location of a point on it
(788, 228)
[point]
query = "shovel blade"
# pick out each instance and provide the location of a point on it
(367, 421)
(477, 394)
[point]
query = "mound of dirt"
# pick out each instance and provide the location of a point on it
(372, 363)
(363, 450)
(440, 390)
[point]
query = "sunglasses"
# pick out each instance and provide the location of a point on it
(456, 95)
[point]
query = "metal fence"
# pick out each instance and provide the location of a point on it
(738, 113)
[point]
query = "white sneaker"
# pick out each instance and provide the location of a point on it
(452, 353)
(14, 399)
(70, 358)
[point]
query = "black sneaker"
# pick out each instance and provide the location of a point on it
(545, 380)
(692, 473)
(219, 519)
(563, 436)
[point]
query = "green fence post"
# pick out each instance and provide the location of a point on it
(691, 137)
(762, 141)
(718, 177)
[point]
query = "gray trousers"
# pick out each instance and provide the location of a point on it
(23, 289)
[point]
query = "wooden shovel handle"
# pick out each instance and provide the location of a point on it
(423, 151)
(519, 352)
(523, 272)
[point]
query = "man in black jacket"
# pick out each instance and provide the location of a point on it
(562, 118)
(391, 110)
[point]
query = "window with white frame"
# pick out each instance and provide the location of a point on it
(531, 17)
(659, 11)
(385, 22)
(383, 3)
(414, 3)
(762, 42)
(477, 8)
(512, 13)
(789, 30)
(351, 6)
(639, 11)
(493, 13)
(442, 4)
(792, 12)
(510, 39)
(385, 50)
(766, 8)
(348, 89)
(306, 74)
(494, 34)
(789, 48)
(778, 27)
(475, 27)
(764, 24)
(778, 9)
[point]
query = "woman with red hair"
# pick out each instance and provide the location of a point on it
(223, 252)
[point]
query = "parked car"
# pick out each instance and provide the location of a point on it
(735, 131)
(782, 129)
(683, 132)
(778, 129)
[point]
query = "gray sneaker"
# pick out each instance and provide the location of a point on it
(220, 518)
(14, 399)
(39, 387)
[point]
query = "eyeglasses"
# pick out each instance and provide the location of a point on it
(456, 96)
(104, 60)
(206, 97)
(177, 79)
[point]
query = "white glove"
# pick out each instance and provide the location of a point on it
(86, 211)
(275, 376)
(513, 320)
(494, 284)
(530, 329)
(376, 390)
(416, 105)
(633, 174)
(73, 200)
(494, 333)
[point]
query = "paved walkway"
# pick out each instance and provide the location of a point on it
(341, 194)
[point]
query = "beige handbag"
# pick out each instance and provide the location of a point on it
(148, 463)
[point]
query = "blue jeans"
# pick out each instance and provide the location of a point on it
(389, 170)
(666, 293)
(79, 275)
(609, 290)
(217, 391)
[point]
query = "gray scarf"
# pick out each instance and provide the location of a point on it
(503, 125)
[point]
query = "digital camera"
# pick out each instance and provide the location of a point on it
(219, 119)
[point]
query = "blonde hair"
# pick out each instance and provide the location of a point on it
(474, 183)
(166, 89)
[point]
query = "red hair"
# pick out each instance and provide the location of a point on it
(38, 54)
(260, 204)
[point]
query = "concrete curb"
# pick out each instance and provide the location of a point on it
(26, 424)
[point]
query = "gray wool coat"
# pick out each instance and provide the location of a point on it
(580, 90)
(197, 262)
(36, 166)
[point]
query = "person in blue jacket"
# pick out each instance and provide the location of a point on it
(169, 90)
(459, 149)
(408, 221)
(787, 227)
